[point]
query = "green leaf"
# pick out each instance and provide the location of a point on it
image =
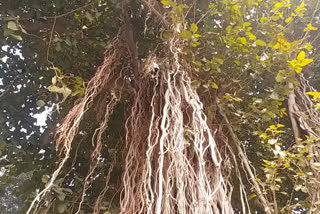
(195, 44)
(185, 34)
(263, 19)
(40, 103)
(220, 61)
(243, 40)
(252, 196)
(194, 27)
(260, 43)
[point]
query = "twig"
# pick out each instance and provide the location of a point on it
(51, 35)
(9, 86)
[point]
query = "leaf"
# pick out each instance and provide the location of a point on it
(45, 179)
(251, 36)
(214, 85)
(13, 26)
(194, 27)
(220, 61)
(185, 34)
(305, 62)
(196, 35)
(166, 3)
(301, 55)
(288, 19)
(89, 17)
(277, 5)
(54, 80)
(315, 94)
(308, 47)
(260, 43)
(8, 32)
(195, 44)
(252, 196)
(40, 103)
(263, 19)
(243, 40)
(65, 91)
(310, 27)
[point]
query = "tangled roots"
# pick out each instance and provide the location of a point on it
(172, 164)
(104, 84)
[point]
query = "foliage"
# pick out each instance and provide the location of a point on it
(249, 62)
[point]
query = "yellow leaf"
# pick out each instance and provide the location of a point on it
(251, 36)
(310, 27)
(219, 60)
(315, 94)
(243, 40)
(276, 46)
(301, 55)
(300, 173)
(194, 27)
(263, 19)
(214, 85)
(308, 47)
(305, 62)
(260, 43)
(298, 69)
(165, 3)
(288, 19)
(273, 127)
(277, 5)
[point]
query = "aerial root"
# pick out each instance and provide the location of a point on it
(172, 163)
(69, 128)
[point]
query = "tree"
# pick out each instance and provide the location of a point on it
(179, 117)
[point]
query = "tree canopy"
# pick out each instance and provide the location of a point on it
(148, 106)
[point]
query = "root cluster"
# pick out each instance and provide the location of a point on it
(172, 163)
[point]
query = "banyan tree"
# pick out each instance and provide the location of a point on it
(192, 107)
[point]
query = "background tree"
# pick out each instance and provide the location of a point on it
(191, 99)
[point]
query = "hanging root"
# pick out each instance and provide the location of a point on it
(172, 163)
(104, 79)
